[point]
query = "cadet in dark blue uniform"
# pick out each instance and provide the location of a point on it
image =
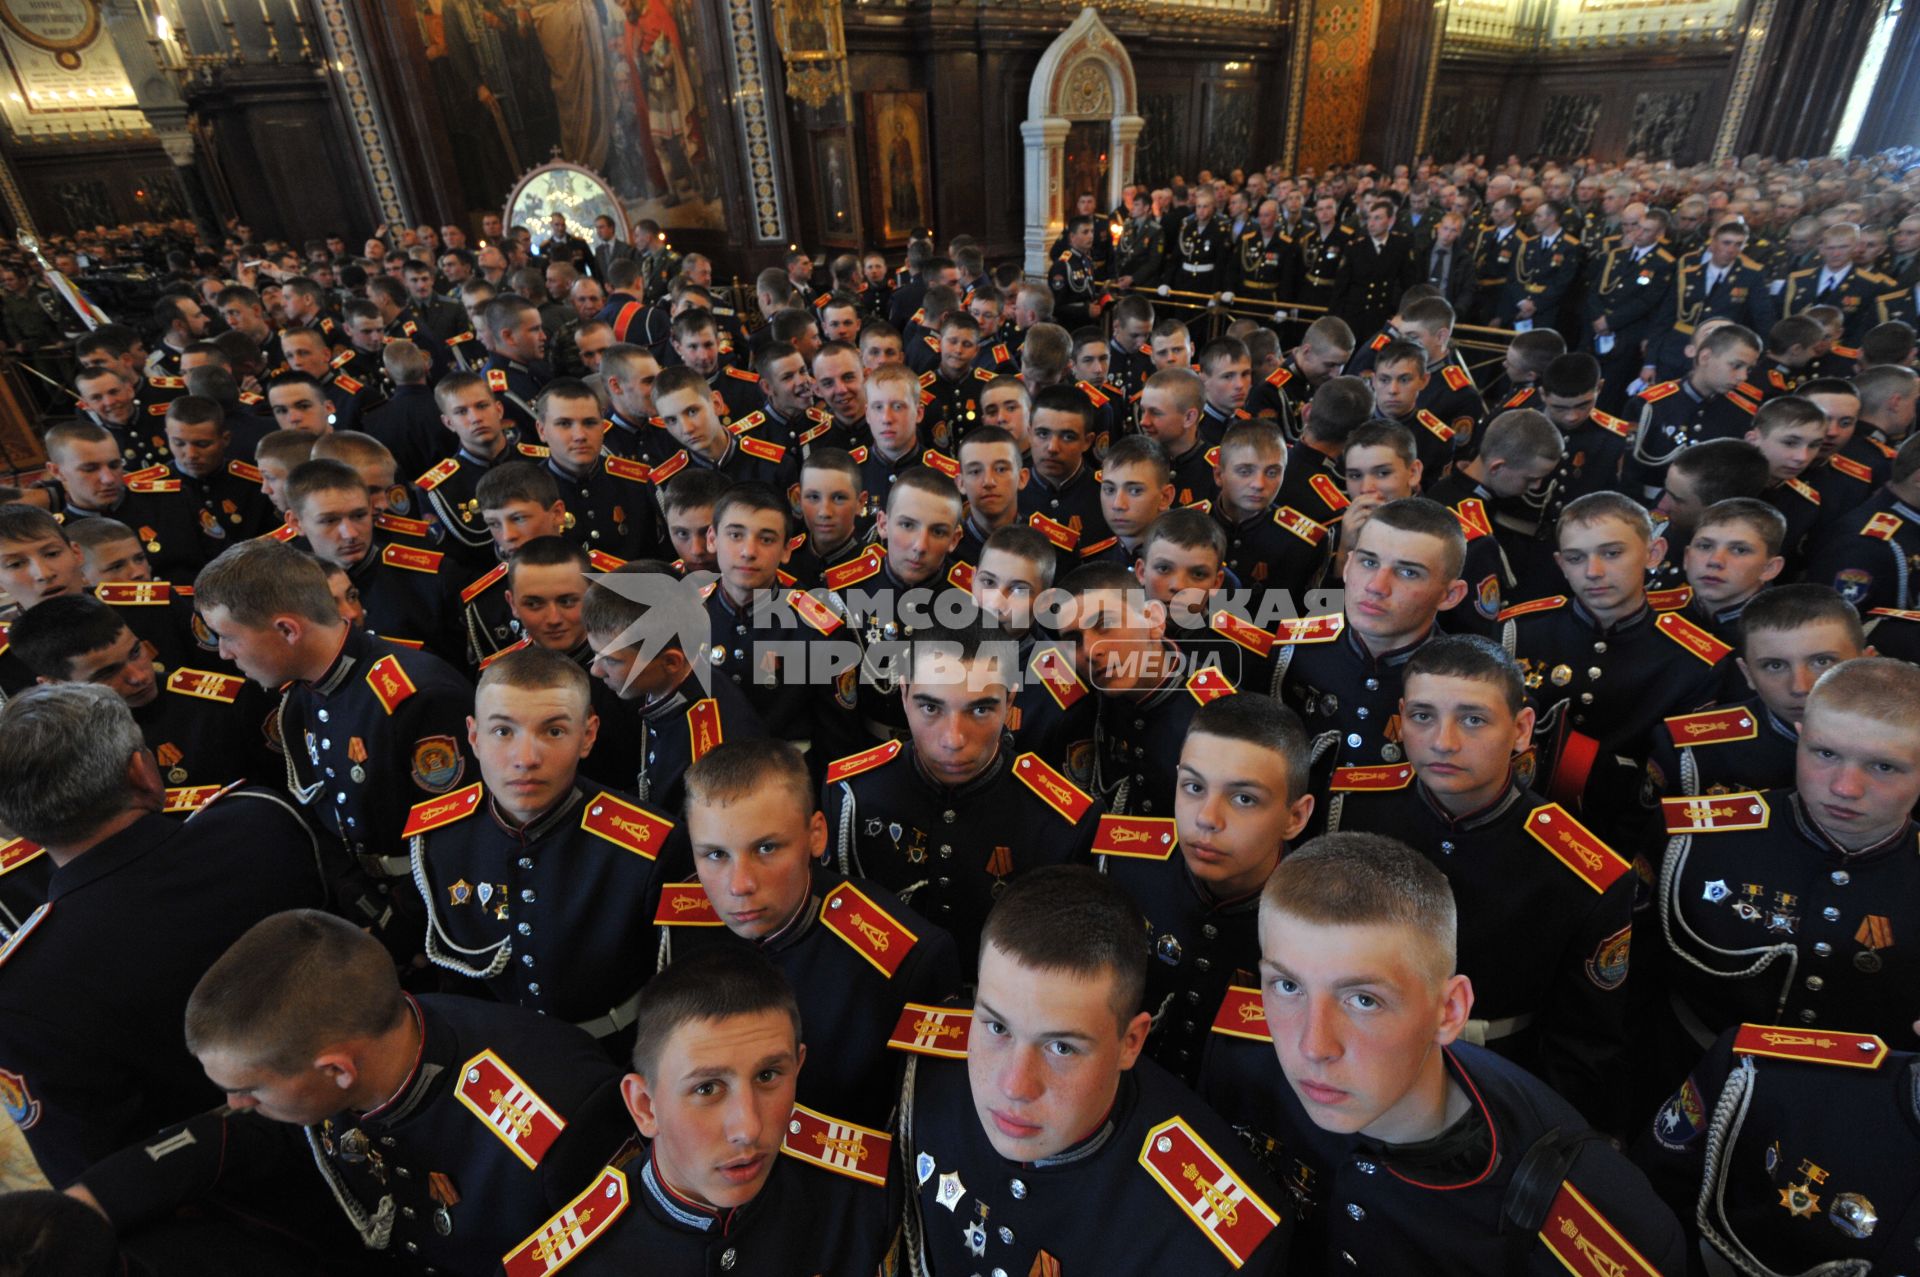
(727, 1173)
(1242, 797)
(948, 819)
(444, 1129)
(1702, 405)
(37, 563)
(92, 482)
(1272, 547)
(516, 343)
(854, 953)
(1594, 446)
(138, 906)
(1403, 1148)
(450, 489)
(1518, 449)
(1053, 1128)
(533, 883)
(685, 404)
(1062, 497)
(1868, 556)
(610, 503)
(1170, 415)
(232, 505)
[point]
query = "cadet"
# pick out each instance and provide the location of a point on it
(1053, 715)
(473, 414)
(138, 905)
(1701, 476)
(1268, 263)
(686, 506)
(1283, 394)
(1545, 906)
(1062, 499)
(839, 384)
(109, 551)
(1519, 448)
(354, 711)
(831, 505)
(696, 340)
(684, 402)
(1226, 377)
(895, 810)
(629, 373)
(516, 345)
(1406, 1149)
(681, 716)
(786, 412)
(37, 563)
(1054, 1111)
(950, 398)
(1203, 257)
(1449, 394)
(853, 951)
(1629, 300)
(1733, 555)
(992, 472)
(727, 1171)
(1788, 906)
(1762, 1145)
(1788, 431)
(610, 503)
(1701, 406)
(1129, 360)
(534, 885)
(231, 505)
(1140, 257)
(444, 1128)
(1377, 268)
(1136, 488)
(87, 464)
(1170, 415)
(108, 397)
(519, 502)
(309, 355)
(300, 403)
(1341, 671)
(1869, 557)
(1594, 444)
(1270, 544)
(1070, 278)
(1241, 799)
(1721, 282)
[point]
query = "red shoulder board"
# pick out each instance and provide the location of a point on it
(497, 380)
(743, 375)
(1001, 354)
(485, 583)
(628, 468)
(865, 761)
(1329, 491)
(751, 421)
(1883, 449)
(1670, 600)
(353, 387)
(1849, 352)
(186, 798)
(1279, 377)
(389, 682)
(1436, 427)
(1308, 530)
(625, 825)
(150, 473)
(1575, 846)
(685, 904)
(1456, 377)
(157, 410)
(285, 532)
(155, 485)
(960, 576)
(926, 378)
(538, 451)
(517, 1116)
(704, 727)
(1242, 1015)
(1883, 525)
(15, 852)
(1612, 425)
(926, 1030)
(1212, 459)
(444, 810)
(605, 562)
(1053, 530)
(859, 454)
(167, 383)
(813, 611)
(133, 593)
(1207, 1191)
(1582, 1239)
(796, 541)
(1715, 813)
(491, 657)
(206, 684)
(1098, 547)
(1473, 519)
(809, 435)
(670, 467)
(983, 374)
(1805, 489)
(1313, 629)
(405, 527)
(873, 933)
(762, 449)
(1712, 727)
(411, 558)
(853, 571)
(1654, 394)
(1243, 632)
(1520, 398)
(1367, 780)
(1813, 1046)
(1850, 468)
(1209, 684)
(823, 299)
(1690, 636)
(1136, 837)
(438, 475)
(942, 462)
(1053, 789)
(1535, 605)
(1898, 613)
(341, 360)
(1058, 676)
(1093, 394)
(1743, 403)
(837, 1146)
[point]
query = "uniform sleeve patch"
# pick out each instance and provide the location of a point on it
(438, 763)
(1607, 965)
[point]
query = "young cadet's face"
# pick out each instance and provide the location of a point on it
(1354, 1019)
(1789, 450)
(841, 384)
(1569, 412)
(1859, 776)
(1234, 812)
(830, 504)
(1091, 362)
(690, 418)
(990, 477)
(750, 546)
(893, 415)
(299, 1098)
(1783, 665)
(515, 523)
(1171, 351)
(691, 531)
(529, 742)
(919, 531)
(573, 430)
(1248, 478)
(346, 598)
(700, 350)
(300, 407)
(1461, 736)
(956, 712)
(1131, 499)
(546, 599)
(1717, 373)
(1396, 584)
(1228, 383)
(33, 571)
(124, 560)
(878, 351)
(958, 346)
(1728, 562)
(717, 1106)
(1005, 585)
(1007, 409)
(94, 473)
(754, 856)
(262, 653)
(1379, 475)
(1316, 364)
(476, 417)
(1180, 576)
(1605, 562)
(1059, 444)
(1397, 387)
(842, 323)
(1117, 637)
(337, 523)
(1162, 420)
(124, 665)
(1046, 1055)
(198, 450)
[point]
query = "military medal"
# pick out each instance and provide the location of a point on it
(950, 1190)
(354, 1145)
(1561, 675)
(1853, 1215)
(1875, 934)
(1800, 1199)
(923, 1167)
(447, 1197)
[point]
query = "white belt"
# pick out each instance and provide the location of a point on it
(1196, 270)
(613, 1021)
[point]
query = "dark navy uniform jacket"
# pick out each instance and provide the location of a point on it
(505, 1116)
(679, 727)
(1724, 750)
(516, 386)
(409, 599)
(612, 508)
(166, 519)
(1673, 415)
(1869, 558)
(1348, 698)
(232, 506)
(448, 493)
(756, 648)
(1138, 735)
(93, 986)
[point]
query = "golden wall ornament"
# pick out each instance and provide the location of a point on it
(813, 41)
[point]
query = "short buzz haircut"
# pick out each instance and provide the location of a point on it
(260, 579)
(734, 769)
(571, 389)
(1382, 433)
(1069, 400)
(1789, 607)
(1330, 335)
(754, 495)
(1520, 435)
(95, 531)
(22, 524)
(919, 478)
(715, 984)
(1428, 312)
(64, 749)
(321, 475)
(294, 984)
(1401, 351)
(1024, 543)
(1588, 510)
(1571, 376)
(1338, 405)
(1368, 880)
(354, 447)
(1263, 722)
(989, 436)
(1222, 350)
(512, 481)
(285, 448)
(506, 310)
(1473, 657)
(678, 380)
(1727, 338)
(446, 393)
(1785, 413)
(1046, 348)
(692, 489)
(1723, 468)
(1184, 386)
(1881, 383)
(838, 461)
(1759, 517)
(534, 668)
(1790, 331)
(1188, 529)
(1877, 687)
(1262, 438)
(1069, 921)
(51, 636)
(609, 614)
(1138, 450)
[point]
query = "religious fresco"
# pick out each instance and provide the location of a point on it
(616, 86)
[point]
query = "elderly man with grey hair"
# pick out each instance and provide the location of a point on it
(139, 904)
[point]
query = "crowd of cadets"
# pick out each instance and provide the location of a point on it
(1330, 703)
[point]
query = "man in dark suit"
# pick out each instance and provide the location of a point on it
(1448, 262)
(1378, 267)
(607, 248)
(562, 245)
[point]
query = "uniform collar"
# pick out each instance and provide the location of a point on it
(988, 774)
(1444, 1158)
(541, 825)
(686, 1213)
(1638, 620)
(427, 1068)
(354, 648)
(794, 929)
(666, 707)
(1102, 1135)
(1390, 660)
(1072, 480)
(1810, 830)
(1479, 818)
(111, 854)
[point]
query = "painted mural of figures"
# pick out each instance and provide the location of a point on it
(447, 31)
(903, 187)
(533, 81)
(572, 37)
(667, 101)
